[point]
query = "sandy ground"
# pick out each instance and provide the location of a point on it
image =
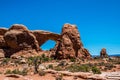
(48, 76)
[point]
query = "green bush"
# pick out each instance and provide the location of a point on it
(57, 68)
(78, 68)
(72, 59)
(50, 66)
(16, 71)
(45, 58)
(8, 71)
(109, 66)
(31, 60)
(95, 70)
(5, 60)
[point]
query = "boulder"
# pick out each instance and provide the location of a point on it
(18, 37)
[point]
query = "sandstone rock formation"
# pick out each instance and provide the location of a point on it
(19, 40)
(103, 53)
(3, 31)
(70, 45)
(18, 37)
(43, 36)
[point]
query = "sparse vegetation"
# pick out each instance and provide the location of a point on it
(72, 59)
(57, 68)
(16, 71)
(109, 66)
(8, 71)
(5, 61)
(96, 70)
(50, 66)
(78, 68)
(35, 64)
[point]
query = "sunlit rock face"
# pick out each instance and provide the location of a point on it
(19, 40)
(70, 45)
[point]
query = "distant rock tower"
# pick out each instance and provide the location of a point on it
(103, 53)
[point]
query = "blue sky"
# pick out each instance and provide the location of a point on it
(98, 21)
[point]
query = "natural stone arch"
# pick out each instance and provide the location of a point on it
(48, 45)
(43, 36)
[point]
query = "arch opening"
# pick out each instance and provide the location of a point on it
(49, 44)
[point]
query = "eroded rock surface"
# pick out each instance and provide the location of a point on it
(19, 40)
(18, 37)
(3, 31)
(43, 36)
(70, 45)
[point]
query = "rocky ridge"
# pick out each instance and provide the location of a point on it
(19, 40)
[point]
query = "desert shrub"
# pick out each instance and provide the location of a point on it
(17, 61)
(31, 60)
(96, 70)
(16, 71)
(42, 73)
(57, 68)
(35, 59)
(109, 66)
(45, 58)
(90, 65)
(101, 64)
(50, 66)
(77, 68)
(5, 60)
(8, 71)
(62, 63)
(24, 72)
(72, 59)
